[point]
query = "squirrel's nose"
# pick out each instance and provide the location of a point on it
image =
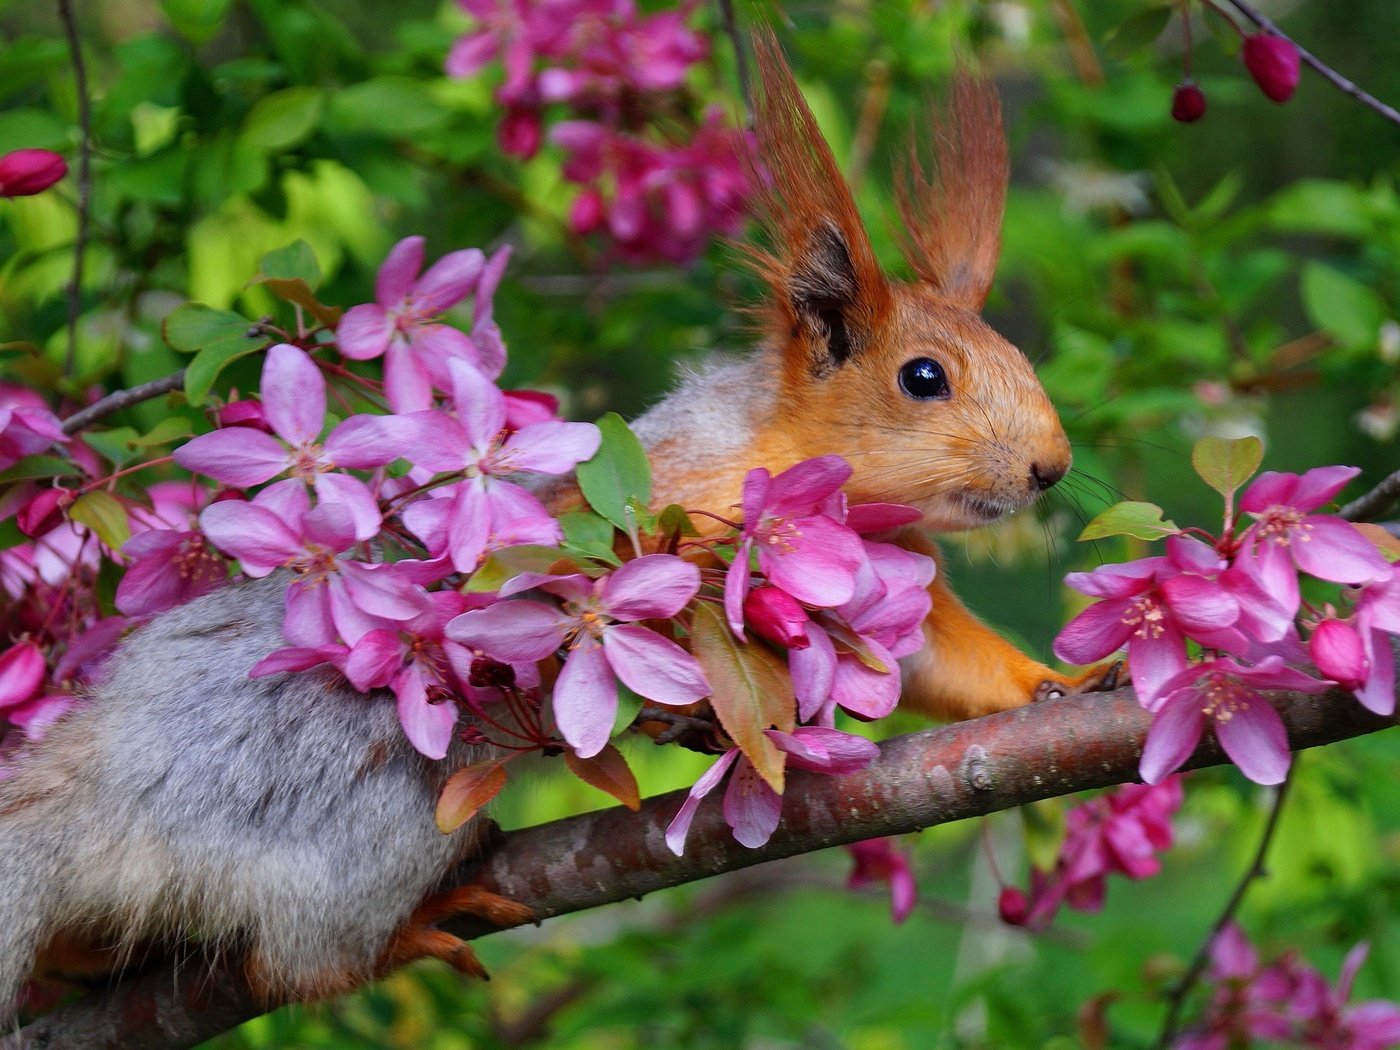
(1043, 477)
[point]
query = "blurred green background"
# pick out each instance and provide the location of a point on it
(1238, 275)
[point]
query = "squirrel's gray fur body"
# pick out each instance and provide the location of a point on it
(288, 816)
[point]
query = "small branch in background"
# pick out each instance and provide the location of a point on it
(741, 58)
(1327, 73)
(75, 288)
(1374, 503)
(1179, 993)
(120, 399)
(1081, 47)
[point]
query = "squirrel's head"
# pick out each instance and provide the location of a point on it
(930, 406)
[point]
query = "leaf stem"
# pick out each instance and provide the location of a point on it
(75, 287)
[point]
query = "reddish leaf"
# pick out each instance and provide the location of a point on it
(607, 771)
(467, 790)
(752, 690)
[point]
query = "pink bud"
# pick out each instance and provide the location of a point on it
(520, 133)
(243, 414)
(778, 616)
(1013, 906)
(1188, 103)
(21, 672)
(1273, 63)
(44, 512)
(586, 213)
(26, 172)
(1337, 650)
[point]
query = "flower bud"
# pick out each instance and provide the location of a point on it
(26, 172)
(1337, 650)
(44, 512)
(1188, 103)
(1273, 63)
(1013, 906)
(519, 133)
(21, 673)
(243, 414)
(778, 616)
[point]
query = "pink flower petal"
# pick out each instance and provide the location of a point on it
(481, 407)
(1172, 737)
(364, 331)
(448, 281)
(799, 488)
(1333, 549)
(306, 615)
(751, 807)
(863, 691)
(469, 526)
(436, 346)
(1100, 629)
(470, 53)
(813, 671)
(330, 525)
(364, 442)
(237, 456)
(585, 698)
(1154, 658)
(551, 447)
(656, 586)
(1319, 485)
(652, 666)
(1337, 651)
(354, 496)
(679, 827)
(381, 591)
(258, 538)
(512, 632)
(821, 569)
(296, 658)
(1117, 581)
(825, 750)
(881, 517)
(427, 725)
(1254, 738)
(398, 272)
(755, 496)
(293, 394)
(21, 671)
(406, 382)
(736, 587)
(1199, 604)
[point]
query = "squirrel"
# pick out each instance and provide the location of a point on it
(288, 819)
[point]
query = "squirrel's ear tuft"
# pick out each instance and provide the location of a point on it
(952, 218)
(828, 294)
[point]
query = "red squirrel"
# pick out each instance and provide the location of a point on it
(288, 819)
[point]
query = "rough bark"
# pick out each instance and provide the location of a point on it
(922, 779)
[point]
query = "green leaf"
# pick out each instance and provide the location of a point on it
(510, 562)
(201, 372)
(1341, 305)
(589, 535)
(607, 771)
(31, 467)
(617, 480)
(674, 520)
(295, 261)
(295, 290)
(1138, 31)
(117, 444)
(752, 690)
(199, 20)
(629, 706)
(466, 791)
(10, 536)
(194, 327)
(1227, 463)
(1142, 520)
(282, 119)
(171, 428)
(1043, 823)
(104, 514)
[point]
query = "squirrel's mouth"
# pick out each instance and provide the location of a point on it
(984, 507)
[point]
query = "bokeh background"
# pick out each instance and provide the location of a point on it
(1237, 275)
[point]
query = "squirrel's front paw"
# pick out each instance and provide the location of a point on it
(1100, 679)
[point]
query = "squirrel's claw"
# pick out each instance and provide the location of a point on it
(1100, 679)
(419, 938)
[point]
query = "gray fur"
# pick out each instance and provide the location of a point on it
(288, 815)
(726, 400)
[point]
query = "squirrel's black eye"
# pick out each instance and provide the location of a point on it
(923, 379)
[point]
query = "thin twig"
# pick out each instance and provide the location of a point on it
(75, 288)
(741, 58)
(1374, 503)
(1327, 73)
(120, 399)
(1177, 998)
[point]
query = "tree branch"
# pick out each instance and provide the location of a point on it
(920, 780)
(123, 399)
(75, 288)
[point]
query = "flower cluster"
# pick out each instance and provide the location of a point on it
(401, 511)
(1286, 1002)
(1216, 621)
(619, 74)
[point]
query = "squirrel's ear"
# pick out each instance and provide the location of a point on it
(952, 218)
(828, 292)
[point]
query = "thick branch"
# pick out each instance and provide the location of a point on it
(923, 779)
(123, 399)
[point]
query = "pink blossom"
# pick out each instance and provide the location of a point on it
(25, 172)
(22, 671)
(880, 860)
(403, 323)
(1225, 695)
(169, 566)
(800, 548)
(294, 398)
(26, 424)
(1273, 62)
(752, 808)
(1377, 617)
(777, 616)
(329, 596)
(1338, 652)
(1120, 831)
(476, 444)
(597, 626)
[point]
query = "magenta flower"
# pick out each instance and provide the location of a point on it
(1377, 618)
(752, 808)
(597, 626)
(26, 424)
(1286, 538)
(22, 671)
(1273, 62)
(403, 323)
(169, 565)
(880, 860)
(801, 549)
(329, 596)
(777, 616)
(477, 444)
(25, 172)
(1225, 695)
(294, 399)
(1337, 650)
